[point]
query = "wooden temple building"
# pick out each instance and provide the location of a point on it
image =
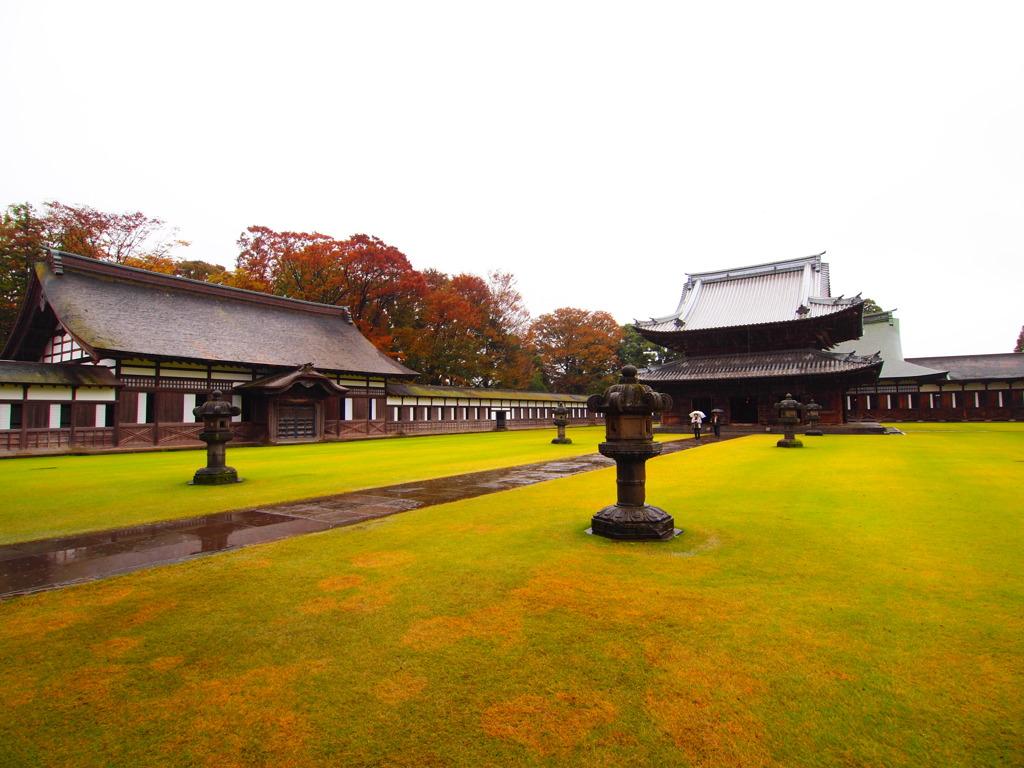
(752, 335)
(108, 357)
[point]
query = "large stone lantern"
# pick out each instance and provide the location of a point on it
(812, 410)
(561, 420)
(216, 414)
(629, 439)
(789, 417)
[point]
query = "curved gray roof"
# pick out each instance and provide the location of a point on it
(780, 291)
(117, 311)
(995, 367)
(762, 365)
(56, 375)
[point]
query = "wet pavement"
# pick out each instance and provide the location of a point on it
(35, 566)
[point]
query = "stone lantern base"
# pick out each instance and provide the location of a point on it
(789, 442)
(630, 523)
(215, 476)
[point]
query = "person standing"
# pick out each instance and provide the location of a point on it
(696, 421)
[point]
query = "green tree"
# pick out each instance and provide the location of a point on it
(634, 349)
(871, 307)
(1020, 341)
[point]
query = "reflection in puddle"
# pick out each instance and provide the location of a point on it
(37, 565)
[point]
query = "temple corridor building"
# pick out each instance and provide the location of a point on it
(108, 357)
(944, 388)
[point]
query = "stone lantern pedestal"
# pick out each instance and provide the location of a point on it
(216, 414)
(629, 439)
(561, 420)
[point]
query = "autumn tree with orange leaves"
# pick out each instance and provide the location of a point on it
(577, 350)
(471, 332)
(459, 330)
(373, 279)
(133, 239)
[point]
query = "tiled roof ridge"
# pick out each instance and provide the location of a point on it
(58, 262)
(989, 355)
(785, 265)
(762, 364)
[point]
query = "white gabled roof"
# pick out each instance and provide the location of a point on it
(780, 291)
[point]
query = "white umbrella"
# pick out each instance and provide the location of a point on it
(698, 413)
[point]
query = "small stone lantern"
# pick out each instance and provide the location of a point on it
(811, 409)
(789, 417)
(561, 420)
(216, 413)
(629, 439)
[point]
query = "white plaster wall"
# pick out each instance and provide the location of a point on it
(96, 394)
(49, 393)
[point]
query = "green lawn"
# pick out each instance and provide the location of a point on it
(53, 496)
(857, 602)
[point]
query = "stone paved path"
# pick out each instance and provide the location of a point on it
(52, 563)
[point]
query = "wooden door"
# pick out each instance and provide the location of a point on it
(296, 422)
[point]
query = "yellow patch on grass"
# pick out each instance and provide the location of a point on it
(107, 595)
(399, 687)
(396, 559)
(338, 583)
(704, 706)
(230, 722)
(501, 622)
(320, 605)
(116, 647)
(150, 610)
(88, 687)
(17, 689)
(368, 599)
(166, 663)
(546, 724)
(39, 624)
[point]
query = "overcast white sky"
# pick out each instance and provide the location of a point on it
(597, 151)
